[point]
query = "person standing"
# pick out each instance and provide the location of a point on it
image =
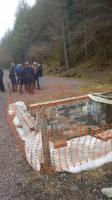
(12, 76)
(29, 78)
(35, 70)
(39, 75)
(2, 88)
(21, 78)
(18, 70)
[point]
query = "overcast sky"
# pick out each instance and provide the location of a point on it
(7, 14)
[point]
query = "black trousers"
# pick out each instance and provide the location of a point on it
(37, 82)
(2, 88)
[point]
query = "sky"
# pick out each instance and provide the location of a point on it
(7, 14)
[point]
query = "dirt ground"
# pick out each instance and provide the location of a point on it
(58, 87)
(18, 181)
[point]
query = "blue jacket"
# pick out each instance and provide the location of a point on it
(18, 69)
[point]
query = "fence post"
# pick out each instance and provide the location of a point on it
(45, 142)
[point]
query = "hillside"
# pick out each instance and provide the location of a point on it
(72, 34)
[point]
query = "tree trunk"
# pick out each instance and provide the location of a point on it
(65, 48)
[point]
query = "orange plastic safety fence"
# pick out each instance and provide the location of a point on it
(67, 148)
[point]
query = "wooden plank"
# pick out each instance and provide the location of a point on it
(108, 92)
(60, 143)
(76, 132)
(57, 102)
(68, 135)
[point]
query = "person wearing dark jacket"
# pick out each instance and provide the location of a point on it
(18, 71)
(21, 78)
(2, 88)
(12, 76)
(29, 78)
(39, 76)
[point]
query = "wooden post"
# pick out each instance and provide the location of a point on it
(109, 114)
(45, 142)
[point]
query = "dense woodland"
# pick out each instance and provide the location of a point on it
(65, 33)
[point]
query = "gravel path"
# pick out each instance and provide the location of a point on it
(10, 176)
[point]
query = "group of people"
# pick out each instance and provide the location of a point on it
(26, 77)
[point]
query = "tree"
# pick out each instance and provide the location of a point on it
(6, 49)
(22, 32)
(70, 31)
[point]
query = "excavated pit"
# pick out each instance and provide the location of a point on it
(68, 135)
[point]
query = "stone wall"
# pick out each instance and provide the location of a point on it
(78, 114)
